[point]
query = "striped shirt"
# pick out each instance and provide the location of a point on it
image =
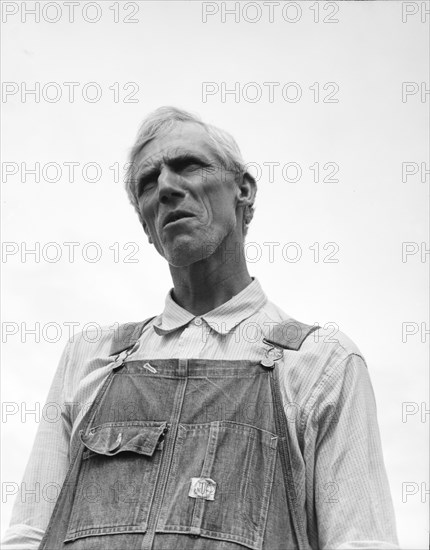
(337, 459)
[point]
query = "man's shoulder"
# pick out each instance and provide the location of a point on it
(106, 340)
(324, 355)
(94, 337)
(96, 345)
(330, 339)
(326, 358)
(93, 349)
(89, 348)
(312, 337)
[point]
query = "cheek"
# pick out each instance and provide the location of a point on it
(223, 207)
(148, 216)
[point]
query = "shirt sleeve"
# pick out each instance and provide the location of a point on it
(45, 471)
(350, 491)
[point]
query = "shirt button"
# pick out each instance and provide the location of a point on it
(198, 321)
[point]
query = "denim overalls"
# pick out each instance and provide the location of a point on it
(183, 454)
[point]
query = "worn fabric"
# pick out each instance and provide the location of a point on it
(328, 399)
(198, 468)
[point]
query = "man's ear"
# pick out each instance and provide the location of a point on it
(148, 234)
(247, 189)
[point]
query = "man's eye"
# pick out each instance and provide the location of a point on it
(145, 185)
(189, 165)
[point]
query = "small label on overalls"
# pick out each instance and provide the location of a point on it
(202, 487)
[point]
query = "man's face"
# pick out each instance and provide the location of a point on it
(186, 198)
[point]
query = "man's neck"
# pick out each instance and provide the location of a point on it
(209, 283)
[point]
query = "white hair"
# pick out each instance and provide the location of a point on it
(160, 122)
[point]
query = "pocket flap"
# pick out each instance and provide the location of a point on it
(113, 438)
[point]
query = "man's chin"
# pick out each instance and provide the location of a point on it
(183, 260)
(185, 254)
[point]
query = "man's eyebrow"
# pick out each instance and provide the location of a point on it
(152, 164)
(182, 153)
(149, 164)
(147, 168)
(186, 155)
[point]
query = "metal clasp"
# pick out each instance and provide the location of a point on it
(272, 354)
(119, 361)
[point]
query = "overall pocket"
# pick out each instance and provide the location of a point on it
(117, 478)
(220, 483)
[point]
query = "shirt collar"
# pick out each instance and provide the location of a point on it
(221, 319)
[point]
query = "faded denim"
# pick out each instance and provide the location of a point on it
(180, 454)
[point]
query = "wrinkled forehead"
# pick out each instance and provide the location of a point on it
(181, 138)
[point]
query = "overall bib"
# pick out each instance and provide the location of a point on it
(183, 454)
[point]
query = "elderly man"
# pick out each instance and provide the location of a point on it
(179, 432)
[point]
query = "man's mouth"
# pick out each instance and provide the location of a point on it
(176, 216)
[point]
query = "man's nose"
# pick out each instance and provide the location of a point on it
(169, 186)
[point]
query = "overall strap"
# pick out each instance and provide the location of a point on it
(289, 334)
(126, 335)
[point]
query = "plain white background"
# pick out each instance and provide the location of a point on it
(169, 54)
